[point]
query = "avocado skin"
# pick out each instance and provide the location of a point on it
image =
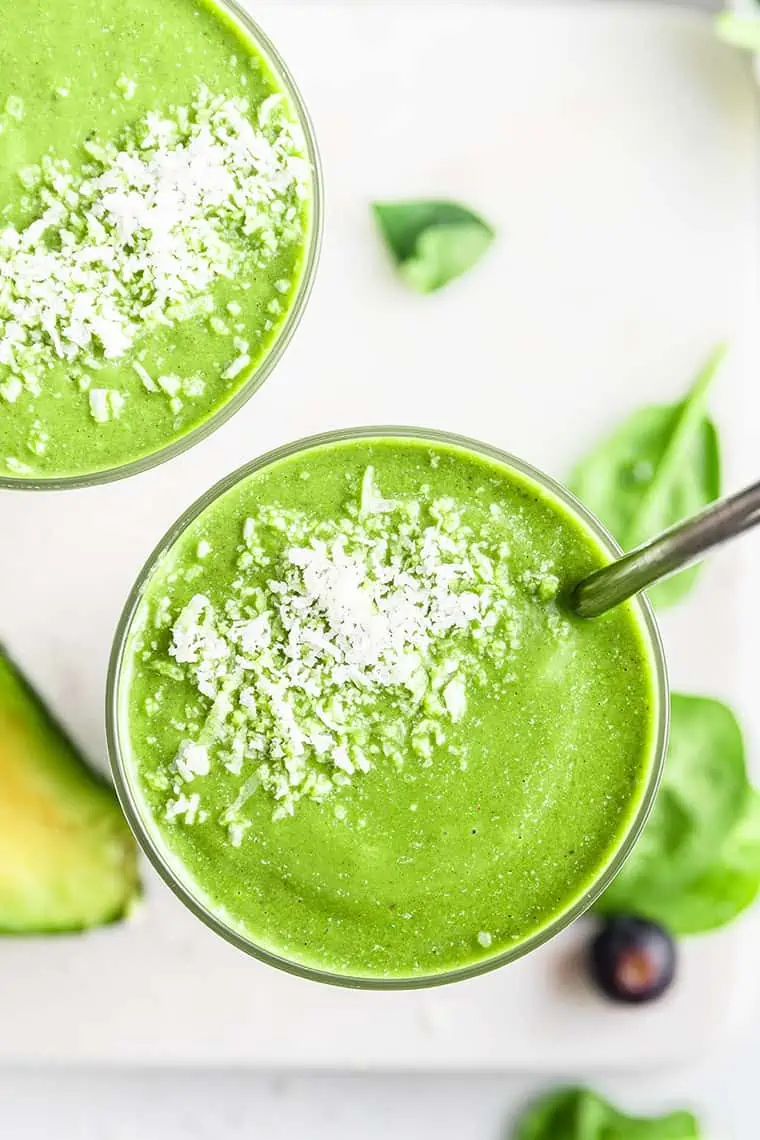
(68, 861)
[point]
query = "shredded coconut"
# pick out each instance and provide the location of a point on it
(105, 404)
(141, 236)
(342, 644)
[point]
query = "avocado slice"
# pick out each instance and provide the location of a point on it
(67, 857)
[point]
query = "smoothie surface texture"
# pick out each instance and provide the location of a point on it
(155, 210)
(360, 725)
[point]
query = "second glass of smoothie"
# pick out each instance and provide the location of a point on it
(354, 725)
(161, 218)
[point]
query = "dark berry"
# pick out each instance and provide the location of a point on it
(632, 960)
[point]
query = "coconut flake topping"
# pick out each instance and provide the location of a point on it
(141, 235)
(343, 644)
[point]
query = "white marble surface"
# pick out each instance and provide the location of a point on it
(243, 1106)
(636, 81)
(96, 1105)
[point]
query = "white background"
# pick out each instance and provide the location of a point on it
(116, 1105)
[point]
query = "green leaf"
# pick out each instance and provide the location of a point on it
(432, 242)
(661, 465)
(738, 31)
(729, 886)
(580, 1114)
(700, 799)
(697, 863)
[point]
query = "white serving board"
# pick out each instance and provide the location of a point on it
(615, 150)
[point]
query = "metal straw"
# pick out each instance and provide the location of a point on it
(671, 551)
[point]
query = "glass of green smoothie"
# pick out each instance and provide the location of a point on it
(161, 216)
(356, 729)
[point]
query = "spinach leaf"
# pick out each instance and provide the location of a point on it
(726, 888)
(697, 863)
(660, 465)
(738, 31)
(432, 242)
(580, 1114)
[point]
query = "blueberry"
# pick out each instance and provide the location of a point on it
(632, 960)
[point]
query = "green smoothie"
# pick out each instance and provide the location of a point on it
(155, 216)
(358, 722)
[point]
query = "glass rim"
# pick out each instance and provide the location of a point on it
(260, 374)
(157, 852)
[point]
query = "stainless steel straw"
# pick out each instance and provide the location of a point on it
(669, 552)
